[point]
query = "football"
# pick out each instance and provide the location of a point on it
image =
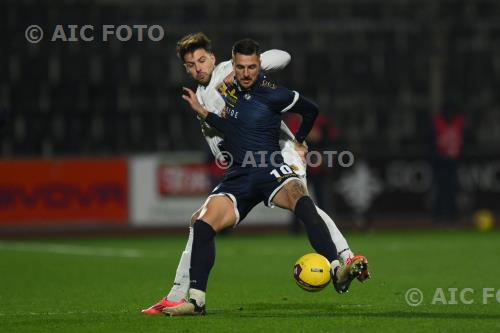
(484, 220)
(312, 272)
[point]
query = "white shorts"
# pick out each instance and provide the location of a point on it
(292, 158)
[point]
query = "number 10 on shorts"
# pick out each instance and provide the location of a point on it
(284, 171)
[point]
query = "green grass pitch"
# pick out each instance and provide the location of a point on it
(100, 285)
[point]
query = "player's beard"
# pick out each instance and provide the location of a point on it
(203, 79)
(246, 82)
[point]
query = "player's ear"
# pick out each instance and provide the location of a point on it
(184, 64)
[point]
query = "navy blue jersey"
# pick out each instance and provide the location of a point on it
(251, 120)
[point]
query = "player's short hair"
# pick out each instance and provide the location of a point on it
(246, 46)
(191, 43)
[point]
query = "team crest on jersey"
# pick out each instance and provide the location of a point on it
(229, 95)
(247, 96)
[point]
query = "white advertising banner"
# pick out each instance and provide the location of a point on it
(165, 190)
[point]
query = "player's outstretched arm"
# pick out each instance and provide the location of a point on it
(211, 118)
(192, 100)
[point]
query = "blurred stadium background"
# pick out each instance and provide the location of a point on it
(95, 135)
(95, 140)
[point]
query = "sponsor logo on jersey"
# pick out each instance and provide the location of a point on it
(268, 84)
(228, 94)
(228, 112)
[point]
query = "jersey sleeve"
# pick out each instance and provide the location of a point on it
(222, 70)
(273, 60)
(309, 112)
(207, 130)
(283, 99)
(215, 121)
(198, 96)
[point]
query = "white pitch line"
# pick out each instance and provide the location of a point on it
(70, 249)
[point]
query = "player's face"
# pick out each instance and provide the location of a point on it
(246, 69)
(199, 65)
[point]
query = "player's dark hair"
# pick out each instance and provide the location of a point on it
(191, 43)
(246, 46)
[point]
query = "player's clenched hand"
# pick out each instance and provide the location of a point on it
(190, 97)
(229, 79)
(301, 149)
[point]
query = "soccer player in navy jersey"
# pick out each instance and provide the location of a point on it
(250, 124)
(195, 52)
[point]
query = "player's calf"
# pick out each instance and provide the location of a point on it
(317, 231)
(294, 196)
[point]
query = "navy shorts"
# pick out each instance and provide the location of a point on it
(246, 187)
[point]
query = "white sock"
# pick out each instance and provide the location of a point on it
(346, 254)
(337, 237)
(333, 266)
(181, 282)
(198, 296)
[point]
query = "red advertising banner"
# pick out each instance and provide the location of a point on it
(34, 192)
(182, 180)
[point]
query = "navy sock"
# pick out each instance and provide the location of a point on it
(317, 231)
(202, 254)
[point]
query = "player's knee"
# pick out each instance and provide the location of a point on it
(194, 217)
(219, 214)
(217, 223)
(295, 200)
(211, 222)
(296, 191)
